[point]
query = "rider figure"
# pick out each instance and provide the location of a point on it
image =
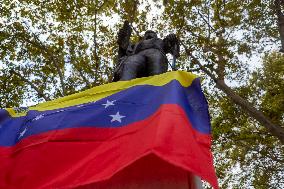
(145, 58)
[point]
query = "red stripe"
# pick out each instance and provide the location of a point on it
(73, 157)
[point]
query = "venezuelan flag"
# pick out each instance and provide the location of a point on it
(90, 136)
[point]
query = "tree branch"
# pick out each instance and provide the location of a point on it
(39, 92)
(84, 78)
(37, 43)
(275, 130)
(95, 45)
(206, 21)
(134, 29)
(193, 70)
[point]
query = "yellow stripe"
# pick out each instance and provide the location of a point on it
(99, 92)
(12, 112)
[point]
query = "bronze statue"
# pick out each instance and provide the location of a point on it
(145, 58)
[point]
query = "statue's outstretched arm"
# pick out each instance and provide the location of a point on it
(172, 45)
(123, 38)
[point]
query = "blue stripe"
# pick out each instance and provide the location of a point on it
(136, 103)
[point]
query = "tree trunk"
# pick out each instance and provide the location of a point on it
(280, 18)
(275, 130)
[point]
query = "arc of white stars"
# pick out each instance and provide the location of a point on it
(117, 117)
(22, 133)
(81, 105)
(38, 117)
(109, 103)
(58, 111)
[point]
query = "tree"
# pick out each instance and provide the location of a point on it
(211, 37)
(47, 45)
(249, 147)
(219, 37)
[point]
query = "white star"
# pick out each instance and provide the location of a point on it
(22, 133)
(58, 111)
(109, 103)
(38, 117)
(116, 117)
